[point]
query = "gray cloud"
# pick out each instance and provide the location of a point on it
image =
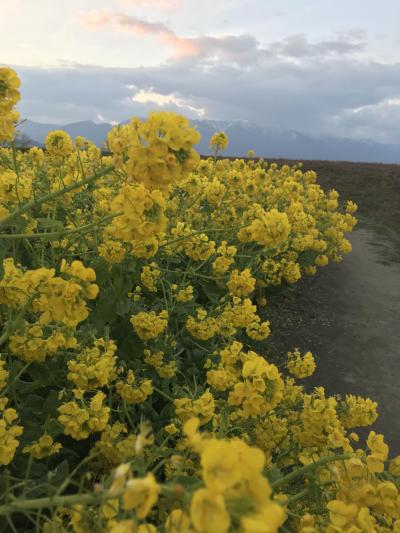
(318, 88)
(298, 46)
(380, 121)
(236, 49)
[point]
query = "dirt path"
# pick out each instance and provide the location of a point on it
(349, 317)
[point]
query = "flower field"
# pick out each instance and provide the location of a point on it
(132, 397)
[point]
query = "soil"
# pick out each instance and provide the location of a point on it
(348, 315)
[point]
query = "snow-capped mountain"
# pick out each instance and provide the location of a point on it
(243, 136)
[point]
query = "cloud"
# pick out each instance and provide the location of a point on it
(231, 48)
(161, 100)
(321, 87)
(298, 46)
(157, 4)
(241, 49)
(378, 121)
(97, 19)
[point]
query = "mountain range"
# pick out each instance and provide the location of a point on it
(243, 136)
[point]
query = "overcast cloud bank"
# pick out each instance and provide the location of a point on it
(332, 86)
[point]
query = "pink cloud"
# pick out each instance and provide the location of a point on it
(181, 46)
(239, 49)
(140, 26)
(95, 19)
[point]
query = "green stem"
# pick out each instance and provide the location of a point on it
(55, 194)
(308, 468)
(191, 273)
(162, 393)
(15, 159)
(68, 479)
(58, 234)
(51, 501)
(297, 496)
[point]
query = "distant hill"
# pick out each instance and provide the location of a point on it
(94, 132)
(266, 142)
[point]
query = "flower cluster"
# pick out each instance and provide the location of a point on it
(219, 142)
(133, 310)
(94, 367)
(8, 430)
(44, 447)
(149, 325)
(301, 367)
(158, 152)
(80, 421)
(133, 392)
(9, 96)
(59, 144)
(8, 433)
(232, 473)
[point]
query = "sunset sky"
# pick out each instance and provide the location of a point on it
(318, 66)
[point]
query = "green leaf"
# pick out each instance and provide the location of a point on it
(104, 310)
(123, 306)
(58, 474)
(48, 223)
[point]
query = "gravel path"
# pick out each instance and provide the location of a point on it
(349, 317)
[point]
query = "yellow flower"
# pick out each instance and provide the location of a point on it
(8, 434)
(9, 96)
(394, 467)
(204, 328)
(203, 407)
(321, 260)
(351, 207)
(208, 512)
(219, 141)
(140, 214)
(341, 513)
(3, 374)
(270, 228)
(110, 508)
(220, 379)
(146, 528)
(141, 495)
(149, 277)
(112, 251)
(120, 475)
(310, 270)
(358, 412)
(178, 522)
(300, 367)
(241, 284)
(379, 452)
(125, 526)
(220, 463)
(185, 295)
(258, 330)
(94, 367)
(149, 325)
(171, 429)
(59, 143)
(44, 447)
(80, 422)
(267, 520)
(132, 391)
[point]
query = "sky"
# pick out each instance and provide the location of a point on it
(323, 67)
